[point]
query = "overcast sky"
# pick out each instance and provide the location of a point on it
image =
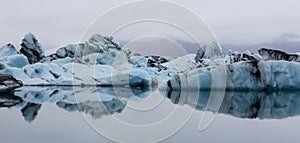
(59, 22)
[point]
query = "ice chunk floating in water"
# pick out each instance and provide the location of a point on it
(8, 83)
(102, 61)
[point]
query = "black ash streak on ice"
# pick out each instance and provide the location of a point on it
(8, 83)
(246, 71)
(266, 70)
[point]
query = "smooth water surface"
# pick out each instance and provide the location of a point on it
(58, 114)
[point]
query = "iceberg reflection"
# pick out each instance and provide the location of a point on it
(94, 101)
(244, 104)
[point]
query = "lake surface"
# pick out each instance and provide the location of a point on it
(81, 114)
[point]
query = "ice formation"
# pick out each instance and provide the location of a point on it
(128, 75)
(97, 56)
(267, 70)
(31, 48)
(8, 83)
(102, 61)
(264, 75)
(8, 50)
(269, 54)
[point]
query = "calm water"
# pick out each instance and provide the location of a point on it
(61, 114)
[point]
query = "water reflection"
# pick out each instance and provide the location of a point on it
(30, 111)
(95, 108)
(96, 102)
(244, 104)
(9, 100)
(104, 101)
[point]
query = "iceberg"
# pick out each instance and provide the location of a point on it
(31, 48)
(8, 50)
(270, 54)
(96, 48)
(102, 61)
(212, 51)
(65, 66)
(264, 75)
(266, 70)
(8, 83)
(16, 60)
(74, 76)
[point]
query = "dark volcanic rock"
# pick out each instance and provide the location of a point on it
(32, 49)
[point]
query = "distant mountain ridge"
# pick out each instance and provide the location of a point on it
(291, 46)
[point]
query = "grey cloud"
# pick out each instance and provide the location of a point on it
(59, 22)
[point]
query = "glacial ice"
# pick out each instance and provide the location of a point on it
(65, 67)
(127, 75)
(31, 48)
(8, 83)
(8, 50)
(212, 51)
(16, 60)
(265, 75)
(270, 54)
(102, 61)
(182, 64)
